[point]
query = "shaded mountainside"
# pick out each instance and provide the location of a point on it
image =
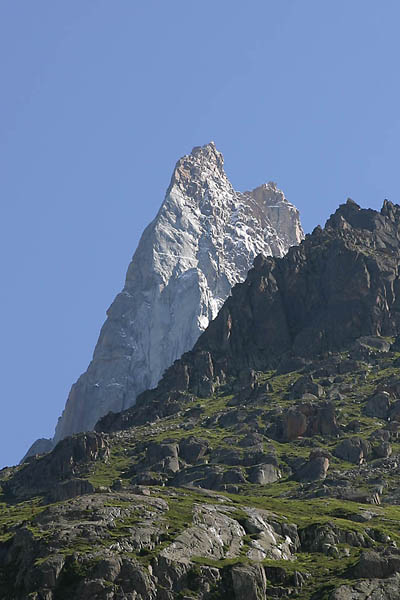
(202, 241)
(264, 465)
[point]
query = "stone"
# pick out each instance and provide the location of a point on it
(45, 474)
(354, 450)
(295, 424)
(193, 449)
(314, 469)
(264, 474)
(372, 565)
(306, 385)
(383, 450)
(248, 582)
(378, 405)
(371, 589)
(308, 419)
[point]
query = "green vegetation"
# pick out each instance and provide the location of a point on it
(13, 515)
(282, 500)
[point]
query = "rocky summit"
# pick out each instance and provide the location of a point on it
(201, 243)
(266, 462)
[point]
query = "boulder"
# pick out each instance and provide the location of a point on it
(193, 449)
(371, 564)
(378, 405)
(226, 456)
(162, 457)
(306, 385)
(264, 474)
(314, 469)
(308, 419)
(325, 537)
(252, 439)
(354, 450)
(204, 476)
(383, 450)
(294, 424)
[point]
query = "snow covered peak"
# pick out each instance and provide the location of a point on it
(201, 243)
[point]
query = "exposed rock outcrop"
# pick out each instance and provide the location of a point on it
(48, 474)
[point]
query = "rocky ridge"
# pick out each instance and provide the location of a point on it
(201, 243)
(266, 463)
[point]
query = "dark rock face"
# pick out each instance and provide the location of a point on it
(42, 476)
(325, 538)
(249, 582)
(346, 274)
(193, 449)
(69, 489)
(41, 446)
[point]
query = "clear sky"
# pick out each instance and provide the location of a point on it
(100, 98)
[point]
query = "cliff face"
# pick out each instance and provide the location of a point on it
(341, 283)
(201, 243)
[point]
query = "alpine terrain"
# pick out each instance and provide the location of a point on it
(201, 243)
(266, 462)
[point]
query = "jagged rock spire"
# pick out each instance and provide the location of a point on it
(201, 243)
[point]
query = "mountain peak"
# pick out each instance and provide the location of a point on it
(201, 243)
(352, 215)
(194, 170)
(208, 150)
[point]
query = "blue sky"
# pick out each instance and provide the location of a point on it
(98, 101)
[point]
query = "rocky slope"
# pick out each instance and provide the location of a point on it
(266, 463)
(200, 244)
